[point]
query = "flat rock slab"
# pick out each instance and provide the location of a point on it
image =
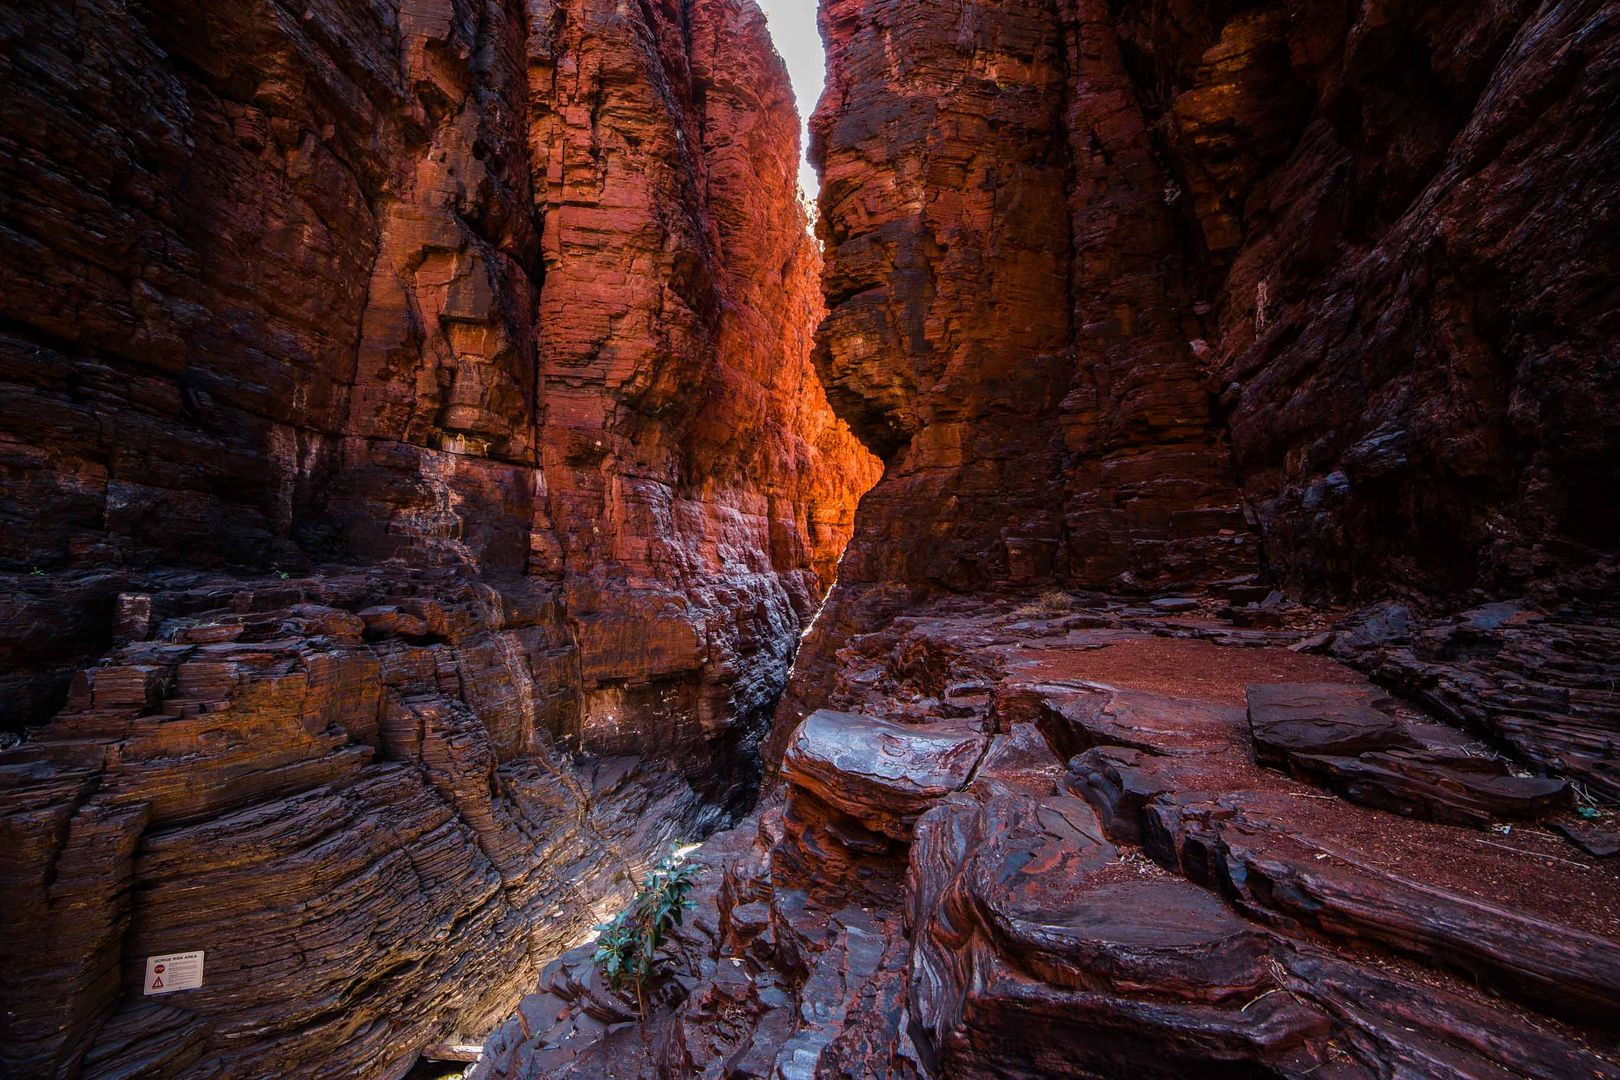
(881, 773)
(1539, 682)
(1075, 719)
(1249, 847)
(1166, 908)
(1321, 718)
(1351, 739)
(1596, 841)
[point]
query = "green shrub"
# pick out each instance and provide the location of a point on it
(628, 945)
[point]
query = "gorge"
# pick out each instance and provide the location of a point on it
(1133, 594)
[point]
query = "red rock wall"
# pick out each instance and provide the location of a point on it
(1014, 318)
(699, 491)
(1425, 399)
(405, 399)
(1076, 250)
(1072, 245)
(1133, 295)
(1010, 309)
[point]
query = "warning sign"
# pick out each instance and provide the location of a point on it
(180, 971)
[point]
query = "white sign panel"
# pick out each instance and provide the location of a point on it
(180, 971)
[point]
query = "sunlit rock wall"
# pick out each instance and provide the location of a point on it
(1135, 296)
(408, 436)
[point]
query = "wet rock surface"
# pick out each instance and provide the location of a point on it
(1017, 930)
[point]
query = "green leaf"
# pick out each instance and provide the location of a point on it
(628, 944)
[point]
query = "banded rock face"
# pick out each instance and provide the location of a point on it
(1127, 293)
(1116, 884)
(1010, 308)
(344, 792)
(407, 424)
(1072, 245)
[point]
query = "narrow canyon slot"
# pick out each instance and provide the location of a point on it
(988, 538)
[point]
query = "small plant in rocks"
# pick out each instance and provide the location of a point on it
(627, 949)
(1585, 805)
(1050, 603)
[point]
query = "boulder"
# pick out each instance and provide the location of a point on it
(883, 774)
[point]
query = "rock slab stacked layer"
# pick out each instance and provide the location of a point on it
(407, 434)
(1160, 909)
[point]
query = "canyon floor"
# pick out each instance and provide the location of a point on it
(1107, 839)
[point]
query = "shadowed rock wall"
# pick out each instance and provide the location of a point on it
(1133, 296)
(1072, 244)
(1262, 301)
(403, 400)
(1403, 209)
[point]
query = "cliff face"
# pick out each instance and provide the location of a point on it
(1404, 211)
(1134, 296)
(405, 399)
(1241, 302)
(416, 483)
(1011, 308)
(1014, 319)
(1071, 245)
(1404, 204)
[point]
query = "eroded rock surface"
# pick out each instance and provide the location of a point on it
(1536, 677)
(1122, 291)
(881, 773)
(1009, 308)
(410, 404)
(415, 485)
(1358, 743)
(1161, 908)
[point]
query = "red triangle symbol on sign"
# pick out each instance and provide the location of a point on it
(157, 983)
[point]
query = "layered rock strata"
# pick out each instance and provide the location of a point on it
(1122, 290)
(1246, 300)
(1229, 306)
(344, 792)
(1010, 308)
(1071, 244)
(526, 291)
(415, 486)
(1115, 886)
